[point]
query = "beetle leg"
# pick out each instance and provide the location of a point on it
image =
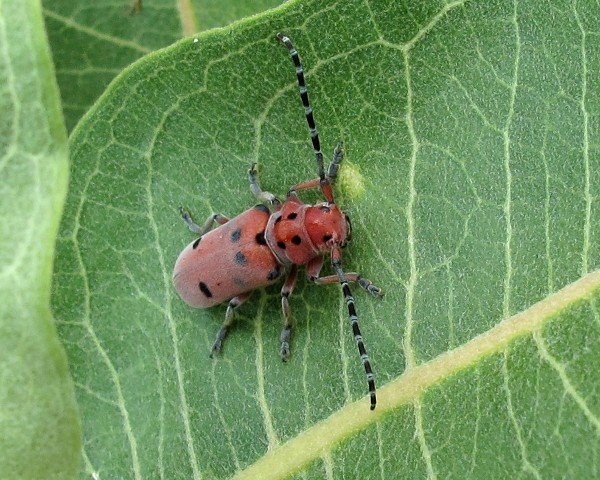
(313, 270)
(260, 194)
(315, 183)
(222, 333)
(286, 333)
(201, 230)
(334, 166)
(352, 277)
(325, 185)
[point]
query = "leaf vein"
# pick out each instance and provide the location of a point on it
(410, 220)
(69, 22)
(527, 466)
(507, 158)
(568, 385)
(425, 452)
(166, 284)
(408, 387)
(90, 329)
(585, 147)
(260, 377)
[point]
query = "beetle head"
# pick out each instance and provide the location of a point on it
(327, 226)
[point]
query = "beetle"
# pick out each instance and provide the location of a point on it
(264, 243)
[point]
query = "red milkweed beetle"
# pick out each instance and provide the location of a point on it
(257, 247)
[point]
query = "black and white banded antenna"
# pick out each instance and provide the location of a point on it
(353, 318)
(310, 119)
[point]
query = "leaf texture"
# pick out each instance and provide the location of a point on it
(93, 41)
(470, 178)
(41, 433)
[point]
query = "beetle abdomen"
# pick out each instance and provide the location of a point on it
(230, 260)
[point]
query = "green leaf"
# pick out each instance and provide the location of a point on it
(93, 41)
(218, 13)
(470, 178)
(41, 435)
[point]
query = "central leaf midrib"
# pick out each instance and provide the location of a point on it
(410, 386)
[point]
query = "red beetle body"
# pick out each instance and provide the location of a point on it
(254, 249)
(227, 261)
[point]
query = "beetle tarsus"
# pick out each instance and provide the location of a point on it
(334, 166)
(184, 214)
(369, 287)
(216, 348)
(187, 218)
(375, 291)
(258, 192)
(284, 352)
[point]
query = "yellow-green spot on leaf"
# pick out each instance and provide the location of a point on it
(351, 181)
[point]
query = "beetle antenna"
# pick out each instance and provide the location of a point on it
(314, 135)
(337, 265)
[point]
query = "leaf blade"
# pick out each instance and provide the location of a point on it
(39, 419)
(409, 387)
(92, 43)
(229, 100)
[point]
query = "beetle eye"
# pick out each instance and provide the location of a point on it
(348, 228)
(325, 208)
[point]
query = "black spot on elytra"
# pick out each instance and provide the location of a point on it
(240, 282)
(273, 274)
(296, 240)
(326, 238)
(260, 238)
(204, 289)
(262, 208)
(236, 234)
(195, 244)
(281, 245)
(240, 258)
(292, 216)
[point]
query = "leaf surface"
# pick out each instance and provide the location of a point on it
(41, 434)
(470, 178)
(93, 41)
(215, 13)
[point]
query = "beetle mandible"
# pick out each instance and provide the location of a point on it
(259, 246)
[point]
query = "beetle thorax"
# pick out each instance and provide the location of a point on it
(299, 232)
